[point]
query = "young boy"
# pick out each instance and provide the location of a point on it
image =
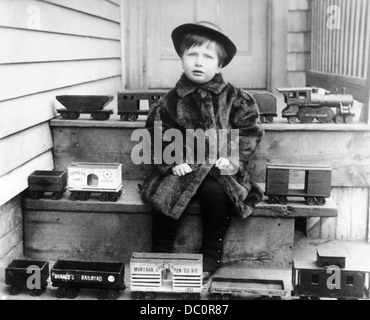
(203, 100)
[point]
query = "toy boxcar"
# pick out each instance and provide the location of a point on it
(166, 272)
(89, 104)
(316, 186)
(85, 178)
(325, 258)
(310, 280)
(41, 181)
(18, 272)
(306, 104)
(226, 288)
(70, 276)
(129, 102)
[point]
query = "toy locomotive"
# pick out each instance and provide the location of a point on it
(306, 104)
(81, 179)
(89, 104)
(153, 273)
(315, 188)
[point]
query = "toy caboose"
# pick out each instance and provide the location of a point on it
(315, 188)
(318, 279)
(166, 272)
(70, 276)
(41, 181)
(85, 178)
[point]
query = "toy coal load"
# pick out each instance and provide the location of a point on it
(179, 273)
(27, 274)
(41, 181)
(88, 104)
(71, 276)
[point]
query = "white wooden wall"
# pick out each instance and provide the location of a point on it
(47, 48)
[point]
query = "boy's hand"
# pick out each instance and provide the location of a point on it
(181, 169)
(223, 163)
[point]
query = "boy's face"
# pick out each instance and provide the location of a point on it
(201, 63)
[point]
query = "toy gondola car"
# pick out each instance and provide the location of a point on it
(306, 104)
(152, 273)
(129, 102)
(316, 186)
(70, 276)
(18, 273)
(228, 288)
(41, 181)
(85, 178)
(88, 104)
(267, 105)
(318, 279)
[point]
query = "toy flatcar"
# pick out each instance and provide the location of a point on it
(70, 276)
(228, 288)
(306, 104)
(316, 186)
(18, 273)
(152, 273)
(89, 104)
(85, 178)
(318, 279)
(129, 102)
(41, 181)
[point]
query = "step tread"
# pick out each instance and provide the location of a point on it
(131, 202)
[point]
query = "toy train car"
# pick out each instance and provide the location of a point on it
(229, 288)
(316, 186)
(18, 273)
(70, 276)
(153, 273)
(75, 105)
(85, 178)
(306, 104)
(319, 279)
(129, 102)
(267, 105)
(41, 181)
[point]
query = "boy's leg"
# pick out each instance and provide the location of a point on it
(164, 232)
(216, 211)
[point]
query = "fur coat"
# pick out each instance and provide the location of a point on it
(214, 105)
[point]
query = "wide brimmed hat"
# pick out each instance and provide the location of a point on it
(208, 29)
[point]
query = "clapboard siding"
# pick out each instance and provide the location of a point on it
(51, 48)
(24, 79)
(60, 47)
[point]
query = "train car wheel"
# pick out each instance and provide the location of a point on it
(282, 199)
(339, 119)
(195, 296)
(292, 119)
(216, 296)
(14, 290)
(149, 296)
(124, 117)
(306, 115)
(137, 295)
(226, 297)
(113, 294)
(103, 116)
(310, 201)
(348, 119)
(133, 117)
(113, 197)
(320, 201)
(35, 195)
(102, 295)
(94, 116)
(83, 196)
(325, 115)
(71, 293)
(185, 296)
(61, 292)
(269, 119)
(104, 197)
(74, 115)
(36, 292)
(64, 115)
(57, 195)
(74, 196)
(273, 199)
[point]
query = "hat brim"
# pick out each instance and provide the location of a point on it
(191, 28)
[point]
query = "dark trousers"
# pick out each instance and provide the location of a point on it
(216, 209)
